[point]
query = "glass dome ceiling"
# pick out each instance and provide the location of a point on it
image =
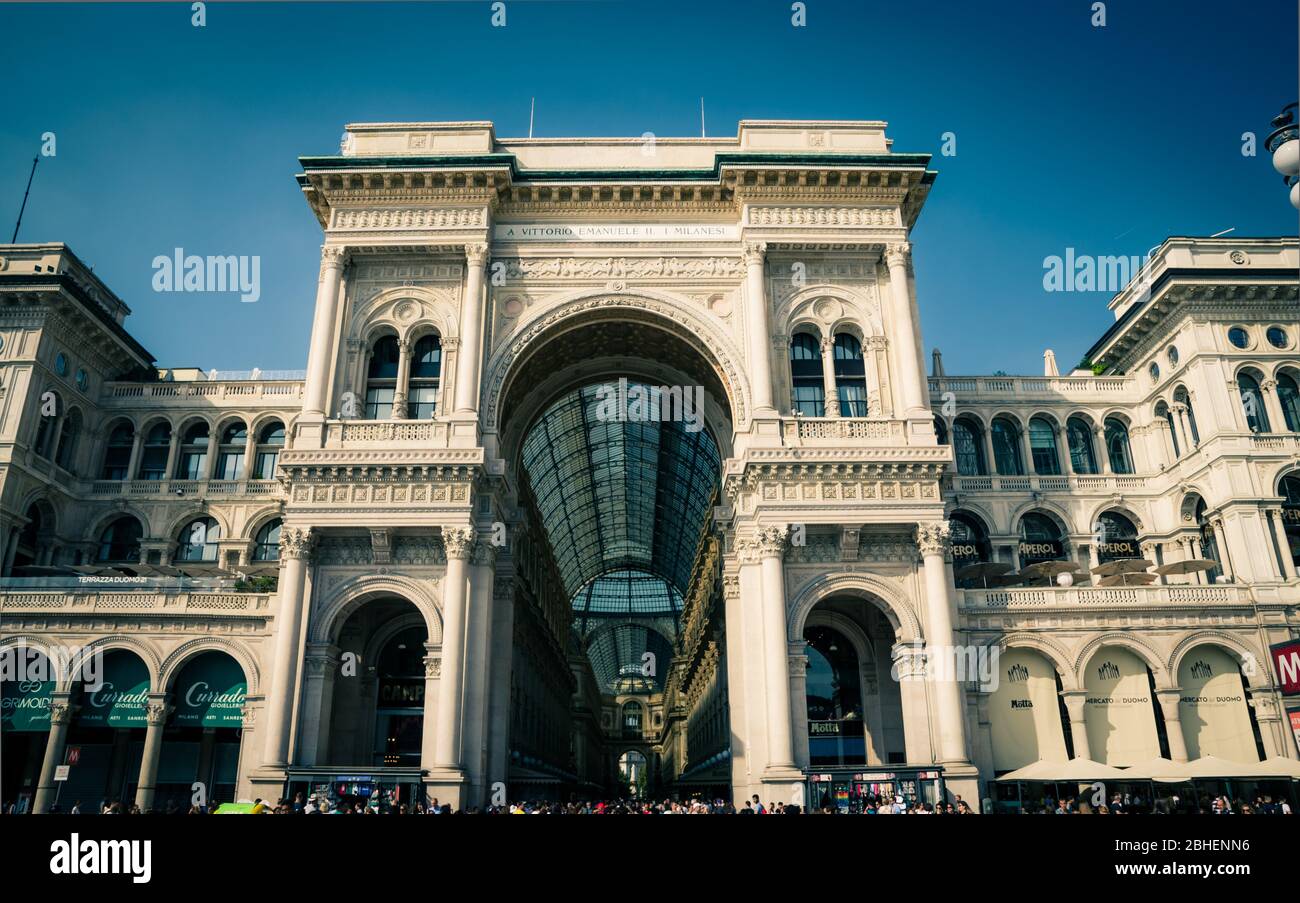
(617, 658)
(623, 501)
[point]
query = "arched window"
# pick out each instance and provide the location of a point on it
(198, 541)
(1040, 539)
(381, 378)
(970, 541)
(120, 541)
(1006, 448)
(968, 447)
(426, 371)
(1209, 545)
(1042, 445)
(192, 462)
(44, 443)
(1079, 436)
(806, 374)
(1290, 491)
(1116, 537)
(834, 699)
(117, 454)
(1162, 410)
(230, 454)
(68, 434)
(1181, 397)
(940, 430)
(632, 716)
(266, 545)
(1288, 396)
(269, 444)
(850, 376)
(153, 456)
(1117, 447)
(1252, 402)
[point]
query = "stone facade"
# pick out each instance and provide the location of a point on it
(541, 264)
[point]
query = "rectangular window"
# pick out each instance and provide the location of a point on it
(192, 466)
(153, 464)
(266, 462)
(230, 466)
(809, 400)
(379, 403)
(853, 399)
(423, 402)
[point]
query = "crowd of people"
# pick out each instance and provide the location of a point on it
(1132, 804)
(1118, 804)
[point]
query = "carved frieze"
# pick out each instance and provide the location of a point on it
(639, 268)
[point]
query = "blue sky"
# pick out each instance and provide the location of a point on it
(1102, 139)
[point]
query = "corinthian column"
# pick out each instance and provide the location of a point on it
(295, 550)
(770, 546)
(459, 544)
(758, 329)
(940, 603)
(60, 718)
(904, 331)
(156, 712)
(471, 330)
(332, 260)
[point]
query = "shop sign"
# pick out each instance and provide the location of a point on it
(210, 692)
(1286, 666)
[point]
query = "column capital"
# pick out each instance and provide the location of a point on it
(332, 257)
(484, 553)
(934, 538)
(476, 253)
(1268, 385)
(898, 254)
(61, 712)
(771, 542)
(458, 542)
(753, 252)
(297, 542)
(156, 712)
(433, 666)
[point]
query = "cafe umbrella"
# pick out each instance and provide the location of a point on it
(983, 570)
(1123, 566)
(1190, 566)
(1129, 579)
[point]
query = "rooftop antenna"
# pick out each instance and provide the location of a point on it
(23, 208)
(702, 117)
(531, 108)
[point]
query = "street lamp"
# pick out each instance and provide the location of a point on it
(1284, 145)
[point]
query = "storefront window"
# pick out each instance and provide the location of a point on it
(399, 708)
(834, 696)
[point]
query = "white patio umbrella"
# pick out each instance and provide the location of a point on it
(1064, 772)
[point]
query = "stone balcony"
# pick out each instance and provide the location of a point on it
(191, 489)
(97, 600)
(799, 432)
(226, 393)
(1034, 388)
(346, 434)
(1076, 483)
(1081, 598)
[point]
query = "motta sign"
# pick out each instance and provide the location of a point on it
(615, 232)
(1286, 665)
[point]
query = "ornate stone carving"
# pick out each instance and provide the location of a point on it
(772, 541)
(297, 542)
(933, 538)
(156, 713)
(418, 550)
(484, 554)
(823, 216)
(753, 253)
(61, 712)
(433, 666)
(458, 541)
(380, 548)
(476, 253)
(249, 716)
(622, 268)
(332, 257)
(898, 254)
(391, 218)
